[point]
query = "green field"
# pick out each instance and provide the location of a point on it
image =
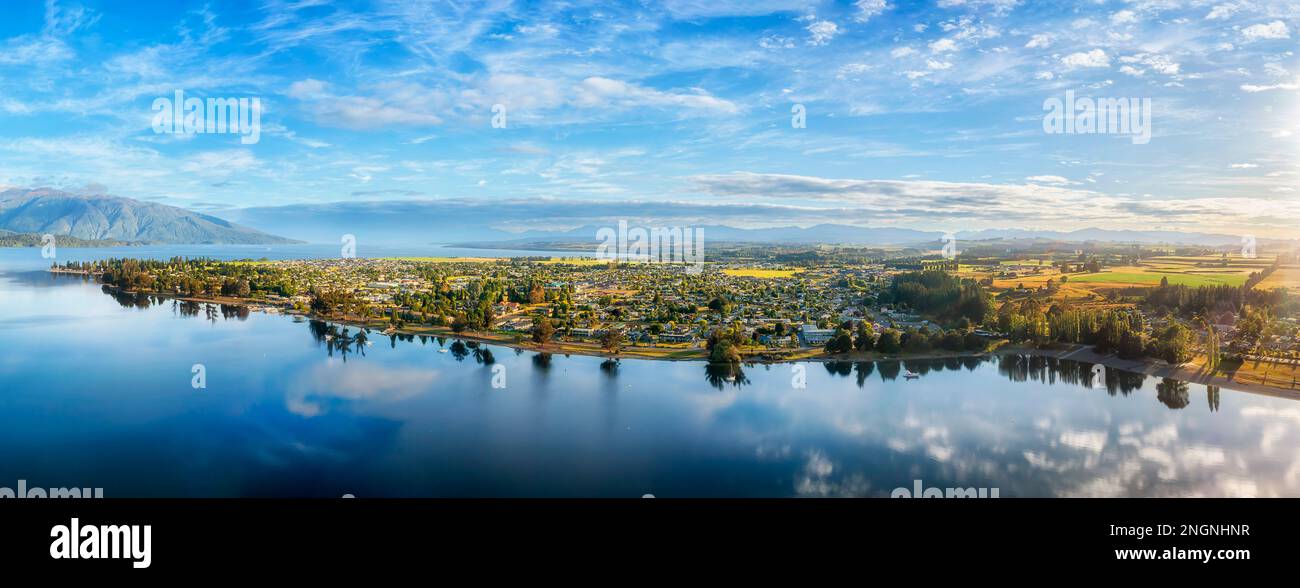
(1153, 278)
(444, 259)
(760, 273)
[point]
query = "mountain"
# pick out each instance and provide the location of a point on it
(12, 239)
(1109, 236)
(521, 220)
(45, 210)
(824, 233)
(876, 236)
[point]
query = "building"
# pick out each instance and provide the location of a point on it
(813, 337)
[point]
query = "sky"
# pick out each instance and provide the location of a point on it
(926, 115)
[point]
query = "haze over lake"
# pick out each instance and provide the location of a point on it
(95, 391)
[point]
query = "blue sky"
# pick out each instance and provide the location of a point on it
(919, 114)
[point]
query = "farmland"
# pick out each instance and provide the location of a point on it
(1043, 274)
(760, 273)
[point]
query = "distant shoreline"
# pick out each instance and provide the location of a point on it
(1189, 372)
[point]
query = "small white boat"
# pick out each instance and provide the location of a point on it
(911, 375)
(442, 351)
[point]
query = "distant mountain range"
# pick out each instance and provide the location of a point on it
(881, 236)
(100, 217)
(477, 220)
(468, 221)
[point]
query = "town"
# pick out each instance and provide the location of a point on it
(1217, 312)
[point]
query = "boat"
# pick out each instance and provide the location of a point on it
(442, 351)
(911, 375)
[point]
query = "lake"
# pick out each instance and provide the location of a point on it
(97, 390)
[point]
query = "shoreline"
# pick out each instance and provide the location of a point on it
(1188, 372)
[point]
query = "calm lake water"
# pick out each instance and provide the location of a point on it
(95, 391)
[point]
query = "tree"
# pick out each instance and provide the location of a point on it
(543, 330)
(841, 342)
(889, 342)
(1130, 345)
(865, 339)
(724, 352)
(536, 294)
(459, 324)
(1173, 344)
(612, 340)
(735, 334)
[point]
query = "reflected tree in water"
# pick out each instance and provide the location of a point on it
(1022, 368)
(1212, 396)
(459, 350)
(238, 312)
(863, 370)
(128, 299)
(610, 367)
(337, 340)
(921, 366)
(482, 354)
(838, 368)
(719, 375)
(1173, 393)
(542, 362)
(889, 369)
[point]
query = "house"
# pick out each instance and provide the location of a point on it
(812, 336)
(677, 337)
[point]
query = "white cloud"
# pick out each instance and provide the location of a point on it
(901, 52)
(1123, 17)
(870, 8)
(1252, 88)
(1259, 32)
(391, 104)
(996, 7)
(44, 48)
(776, 42)
(543, 30)
(943, 45)
(1159, 63)
(1054, 180)
(1094, 58)
(598, 91)
(1039, 41)
(1222, 12)
(821, 32)
(307, 89)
